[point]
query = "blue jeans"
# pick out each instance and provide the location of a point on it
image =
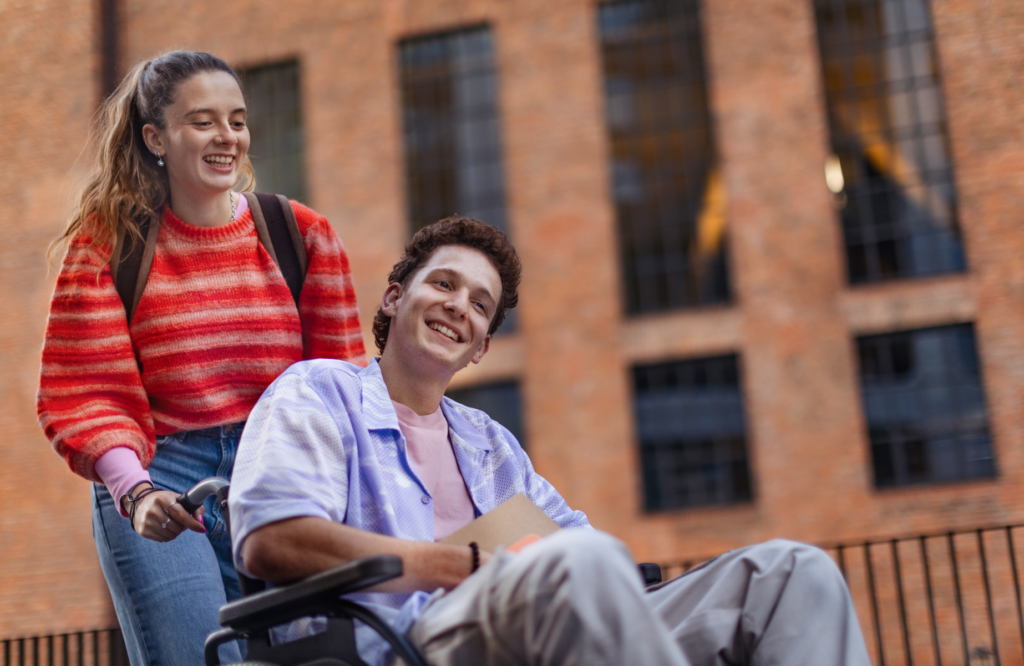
(167, 595)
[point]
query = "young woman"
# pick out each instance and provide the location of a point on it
(147, 407)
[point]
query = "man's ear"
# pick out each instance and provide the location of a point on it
(479, 355)
(151, 136)
(393, 294)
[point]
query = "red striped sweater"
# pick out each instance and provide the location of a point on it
(216, 324)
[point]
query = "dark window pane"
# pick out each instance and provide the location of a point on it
(274, 102)
(500, 401)
(452, 138)
(453, 157)
(888, 129)
(668, 192)
(692, 434)
(924, 406)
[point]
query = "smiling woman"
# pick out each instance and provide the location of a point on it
(147, 402)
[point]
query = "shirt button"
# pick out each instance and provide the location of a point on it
(425, 499)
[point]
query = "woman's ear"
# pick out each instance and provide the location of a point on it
(392, 295)
(154, 142)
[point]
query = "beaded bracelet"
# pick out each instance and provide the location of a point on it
(476, 555)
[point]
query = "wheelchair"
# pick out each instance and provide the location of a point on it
(252, 617)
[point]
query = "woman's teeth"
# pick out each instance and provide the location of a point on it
(216, 159)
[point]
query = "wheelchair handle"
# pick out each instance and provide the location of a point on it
(193, 498)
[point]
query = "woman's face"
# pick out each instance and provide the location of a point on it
(205, 138)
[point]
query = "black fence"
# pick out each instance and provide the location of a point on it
(948, 599)
(98, 647)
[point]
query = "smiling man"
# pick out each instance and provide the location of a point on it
(339, 462)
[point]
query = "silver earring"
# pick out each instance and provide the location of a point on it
(159, 159)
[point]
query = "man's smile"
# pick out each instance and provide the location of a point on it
(444, 330)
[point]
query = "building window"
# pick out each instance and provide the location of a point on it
(891, 168)
(274, 101)
(453, 157)
(500, 401)
(689, 417)
(667, 187)
(924, 405)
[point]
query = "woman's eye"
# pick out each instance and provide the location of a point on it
(442, 283)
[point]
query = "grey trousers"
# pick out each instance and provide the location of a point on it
(576, 598)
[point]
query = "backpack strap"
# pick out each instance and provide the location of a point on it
(279, 232)
(131, 262)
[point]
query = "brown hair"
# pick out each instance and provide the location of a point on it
(127, 186)
(457, 230)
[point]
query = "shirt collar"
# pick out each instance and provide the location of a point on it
(461, 429)
(380, 414)
(378, 411)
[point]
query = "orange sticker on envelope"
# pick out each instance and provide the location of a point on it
(523, 543)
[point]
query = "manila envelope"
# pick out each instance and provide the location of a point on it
(507, 523)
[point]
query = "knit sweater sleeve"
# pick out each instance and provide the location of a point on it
(91, 398)
(327, 306)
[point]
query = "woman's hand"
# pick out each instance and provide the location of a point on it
(159, 517)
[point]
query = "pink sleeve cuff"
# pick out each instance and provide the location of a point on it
(120, 470)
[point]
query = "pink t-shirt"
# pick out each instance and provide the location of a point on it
(433, 459)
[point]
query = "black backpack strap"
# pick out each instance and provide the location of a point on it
(131, 262)
(279, 232)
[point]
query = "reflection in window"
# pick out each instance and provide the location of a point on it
(500, 401)
(889, 134)
(450, 116)
(275, 126)
(689, 418)
(668, 190)
(924, 405)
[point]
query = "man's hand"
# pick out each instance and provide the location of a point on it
(292, 549)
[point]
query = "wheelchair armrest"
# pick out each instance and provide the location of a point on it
(650, 572)
(316, 593)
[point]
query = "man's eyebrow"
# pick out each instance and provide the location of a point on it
(441, 272)
(481, 290)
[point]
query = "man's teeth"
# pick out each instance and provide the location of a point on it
(217, 159)
(441, 328)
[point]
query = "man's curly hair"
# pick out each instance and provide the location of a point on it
(457, 230)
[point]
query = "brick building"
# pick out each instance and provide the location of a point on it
(773, 281)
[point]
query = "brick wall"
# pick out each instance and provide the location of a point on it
(792, 319)
(49, 577)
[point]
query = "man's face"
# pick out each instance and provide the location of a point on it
(441, 316)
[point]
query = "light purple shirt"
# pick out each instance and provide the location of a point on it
(324, 441)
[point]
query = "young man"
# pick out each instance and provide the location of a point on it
(339, 462)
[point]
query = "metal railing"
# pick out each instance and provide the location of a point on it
(944, 599)
(96, 647)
